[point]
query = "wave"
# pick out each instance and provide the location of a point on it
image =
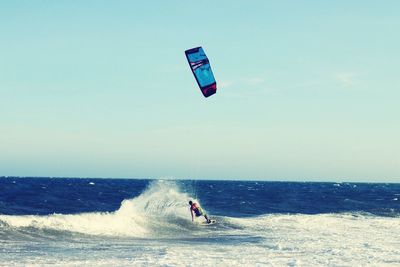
(160, 211)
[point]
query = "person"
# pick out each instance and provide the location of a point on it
(198, 211)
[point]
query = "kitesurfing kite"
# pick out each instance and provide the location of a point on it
(201, 69)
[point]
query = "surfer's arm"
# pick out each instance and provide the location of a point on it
(191, 213)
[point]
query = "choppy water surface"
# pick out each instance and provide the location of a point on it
(109, 222)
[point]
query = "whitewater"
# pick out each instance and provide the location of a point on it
(154, 228)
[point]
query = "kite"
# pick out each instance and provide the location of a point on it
(201, 69)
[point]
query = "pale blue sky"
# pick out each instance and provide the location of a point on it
(307, 90)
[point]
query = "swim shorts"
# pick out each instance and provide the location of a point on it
(199, 212)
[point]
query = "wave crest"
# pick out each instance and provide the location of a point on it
(161, 210)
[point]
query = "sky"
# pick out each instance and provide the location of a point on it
(307, 90)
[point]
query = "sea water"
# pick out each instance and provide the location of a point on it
(130, 222)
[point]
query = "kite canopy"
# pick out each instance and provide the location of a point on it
(201, 69)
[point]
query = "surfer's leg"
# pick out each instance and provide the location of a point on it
(208, 220)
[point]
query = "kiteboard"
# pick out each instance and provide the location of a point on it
(211, 223)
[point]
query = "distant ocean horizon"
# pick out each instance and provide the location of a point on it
(146, 222)
(234, 179)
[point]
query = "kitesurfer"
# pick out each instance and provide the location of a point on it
(198, 211)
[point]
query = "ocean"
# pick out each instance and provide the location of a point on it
(133, 222)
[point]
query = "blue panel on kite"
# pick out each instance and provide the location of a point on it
(201, 69)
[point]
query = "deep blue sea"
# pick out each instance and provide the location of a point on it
(132, 222)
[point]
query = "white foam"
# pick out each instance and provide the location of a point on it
(329, 239)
